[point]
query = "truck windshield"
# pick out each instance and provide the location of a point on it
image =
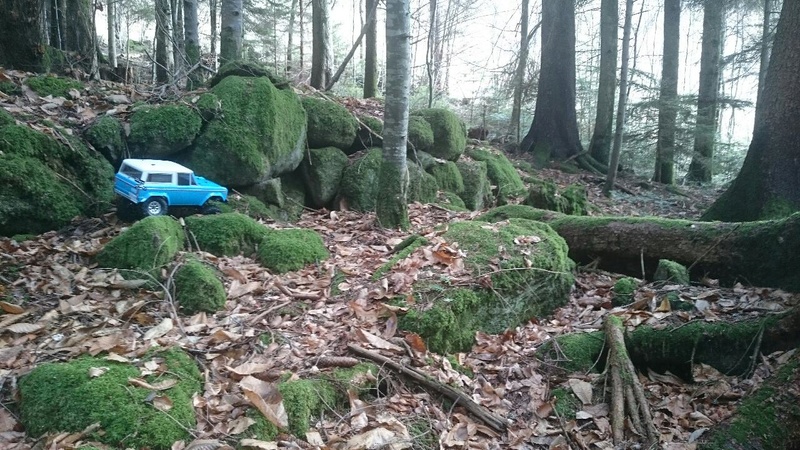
(131, 172)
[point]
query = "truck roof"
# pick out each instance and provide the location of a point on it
(159, 165)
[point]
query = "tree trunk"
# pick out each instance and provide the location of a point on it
(392, 207)
(290, 44)
(768, 185)
(371, 52)
(554, 131)
(20, 35)
(766, 41)
(623, 100)
(178, 50)
(519, 75)
(191, 43)
(212, 4)
(321, 58)
(112, 32)
(668, 99)
(600, 146)
(162, 35)
(80, 35)
(230, 38)
(333, 79)
(707, 97)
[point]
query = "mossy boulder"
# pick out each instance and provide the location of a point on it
(420, 135)
(370, 132)
(477, 191)
(449, 133)
(148, 244)
(451, 201)
(294, 194)
(624, 289)
(68, 397)
(291, 249)
(525, 263)
(6, 118)
(506, 212)
(502, 174)
(197, 288)
(247, 69)
(448, 177)
(260, 133)
(248, 205)
(329, 124)
(671, 272)
(226, 234)
(322, 170)
(422, 186)
(424, 159)
(546, 195)
(106, 136)
(161, 131)
(269, 192)
(209, 106)
(45, 85)
(45, 183)
(360, 180)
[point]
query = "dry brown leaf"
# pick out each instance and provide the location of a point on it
(377, 342)
(239, 425)
(11, 308)
(159, 330)
(162, 403)
(258, 445)
(249, 368)
(267, 399)
(205, 444)
(582, 390)
(24, 328)
(95, 372)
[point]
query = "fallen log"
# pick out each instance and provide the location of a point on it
(765, 253)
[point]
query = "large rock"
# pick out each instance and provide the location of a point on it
(329, 124)
(259, 133)
(322, 171)
(420, 136)
(161, 131)
(147, 245)
(292, 249)
(449, 133)
(106, 136)
(502, 174)
(370, 134)
(477, 191)
(360, 181)
(422, 186)
(197, 288)
(448, 177)
(45, 183)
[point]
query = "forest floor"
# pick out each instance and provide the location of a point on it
(58, 306)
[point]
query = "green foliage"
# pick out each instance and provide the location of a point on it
(159, 131)
(63, 397)
(291, 249)
(671, 272)
(360, 181)
(477, 191)
(197, 288)
(448, 177)
(105, 135)
(420, 135)
(227, 234)
(148, 244)
(624, 289)
(322, 169)
(45, 85)
(329, 124)
(449, 132)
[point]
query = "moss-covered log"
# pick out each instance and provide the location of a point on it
(765, 253)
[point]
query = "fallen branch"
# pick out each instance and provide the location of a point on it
(491, 419)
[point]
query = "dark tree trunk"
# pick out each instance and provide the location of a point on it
(768, 185)
(20, 35)
(707, 98)
(80, 32)
(623, 100)
(519, 75)
(668, 99)
(178, 50)
(230, 42)
(600, 147)
(554, 131)
(191, 43)
(162, 34)
(371, 52)
(766, 47)
(321, 58)
(290, 44)
(213, 9)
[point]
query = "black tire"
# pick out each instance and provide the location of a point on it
(212, 206)
(155, 206)
(126, 210)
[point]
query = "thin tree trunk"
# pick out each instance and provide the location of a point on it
(321, 58)
(706, 126)
(766, 41)
(178, 50)
(213, 13)
(519, 75)
(343, 65)
(162, 35)
(191, 43)
(668, 99)
(230, 40)
(623, 100)
(371, 52)
(302, 36)
(602, 137)
(112, 35)
(431, 50)
(392, 207)
(289, 45)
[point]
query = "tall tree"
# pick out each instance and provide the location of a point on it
(230, 37)
(519, 75)
(766, 40)
(668, 97)
(554, 130)
(623, 99)
(392, 207)
(708, 95)
(290, 43)
(191, 43)
(178, 49)
(162, 37)
(21, 35)
(112, 32)
(321, 51)
(213, 8)
(768, 186)
(600, 146)
(371, 51)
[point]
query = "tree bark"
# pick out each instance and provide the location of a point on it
(668, 97)
(371, 52)
(519, 75)
(212, 6)
(80, 32)
(766, 41)
(700, 170)
(321, 57)
(290, 44)
(191, 42)
(554, 131)
(230, 38)
(20, 35)
(178, 49)
(623, 100)
(162, 35)
(332, 81)
(600, 146)
(112, 32)
(768, 185)
(392, 206)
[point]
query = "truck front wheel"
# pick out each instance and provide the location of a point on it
(154, 207)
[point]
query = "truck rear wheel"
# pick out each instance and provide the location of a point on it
(155, 206)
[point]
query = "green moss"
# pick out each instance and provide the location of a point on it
(63, 397)
(451, 201)
(329, 124)
(448, 177)
(501, 173)
(322, 169)
(105, 135)
(291, 249)
(447, 322)
(402, 251)
(360, 181)
(197, 288)
(524, 166)
(262, 429)
(624, 289)
(370, 130)
(546, 195)
(777, 208)
(294, 194)
(477, 191)
(305, 400)
(422, 186)
(9, 88)
(566, 404)
(450, 133)
(420, 135)
(247, 205)
(506, 212)
(391, 206)
(671, 272)
(209, 106)
(575, 352)
(45, 85)
(6, 118)
(159, 131)
(227, 234)
(148, 244)
(259, 134)
(248, 69)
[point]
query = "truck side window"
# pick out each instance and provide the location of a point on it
(185, 179)
(159, 178)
